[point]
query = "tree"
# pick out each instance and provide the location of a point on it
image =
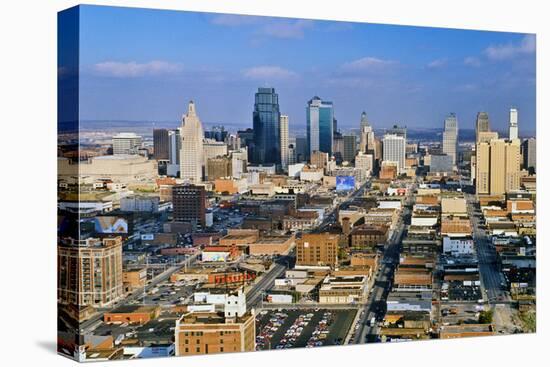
(486, 317)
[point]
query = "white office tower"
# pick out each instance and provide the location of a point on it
(284, 141)
(126, 143)
(513, 124)
(393, 150)
(450, 137)
(191, 153)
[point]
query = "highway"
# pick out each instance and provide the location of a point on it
(376, 304)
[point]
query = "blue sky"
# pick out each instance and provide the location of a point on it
(141, 64)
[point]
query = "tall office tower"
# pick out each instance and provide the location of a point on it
(497, 166)
(513, 132)
(377, 149)
(366, 135)
(350, 148)
(189, 202)
(126, 143)
(174, 147)
(529, 151)
(450, 136)
(482, 124)
(213, 149)
(266, 119)
(90, 272)
(338, 147)
(291, 154)
(192, 152)
(161, 144)
(364, 162)
(320, 116)
(513, 165)
(301, 149)
(284, 141)
(393, 150)
(483, 153)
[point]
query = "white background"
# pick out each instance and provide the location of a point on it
(28, 179)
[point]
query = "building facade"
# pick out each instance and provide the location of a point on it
(126, 143)
(320, 124)
(450, 137)
(189, 203)
(317, 250)
(393, 150)
(266, 120)
(191, 153)
(284, 141)
(90, 272)
(161, 144)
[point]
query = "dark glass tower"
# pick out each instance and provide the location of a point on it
(266, 124)
(320, 125)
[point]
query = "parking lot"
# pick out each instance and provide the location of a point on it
(166, 293)
(283, 329)
(457, 313)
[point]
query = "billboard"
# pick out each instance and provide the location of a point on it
(110, 225)
(345, 183)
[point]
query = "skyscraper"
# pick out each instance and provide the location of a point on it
(350, 148)
(482, 124)
(529, 151)
(320, 124)
(161, 144)
(191, 153)
(284, 141)
(366, 135)
(450, 136)
(393, 150)
(513, 132)
(498, 166)
(266, 120)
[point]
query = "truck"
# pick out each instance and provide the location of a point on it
(372, 322)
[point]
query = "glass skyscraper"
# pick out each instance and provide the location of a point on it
(266, 124)
(320, 124)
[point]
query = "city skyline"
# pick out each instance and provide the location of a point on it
(433, 72)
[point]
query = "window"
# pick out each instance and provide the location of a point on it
(198, 349)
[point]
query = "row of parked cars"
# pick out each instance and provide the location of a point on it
(263, 339)
(321, 332)
(294, 331)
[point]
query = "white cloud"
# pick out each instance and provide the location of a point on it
(472, 61)
(437, 64)
(287, 29)
(134, 69)
(269, 73)
(367, 63)
(511, 50)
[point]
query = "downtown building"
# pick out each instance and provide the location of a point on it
(90, 272)
(230, 331)
(266, 127)
(192, 152)
(497, 166)
(366, 135)
(393, 150)
(126, 143)
(529, 153)
(482, 124)
(450, 137)
(161, 144)
(189, 204)
(284, 142)
(320, 125)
